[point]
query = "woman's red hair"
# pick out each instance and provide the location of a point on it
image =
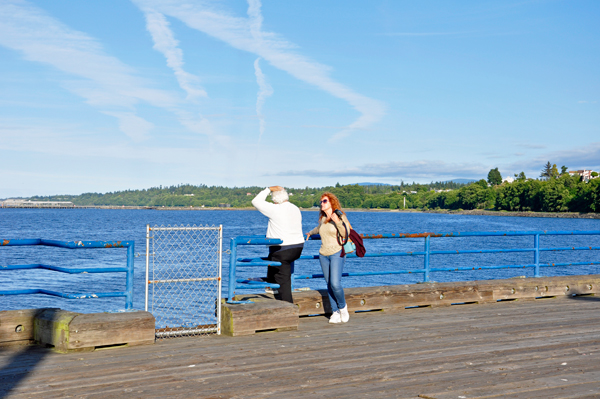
(334, 201)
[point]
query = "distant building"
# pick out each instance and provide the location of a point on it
(188, 195)
(585, 174)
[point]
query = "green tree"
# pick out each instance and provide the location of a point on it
(477, 196)
(521, 176)
(482, 183)
(555, 196)
(564, 170)
(554, 172)
(494, 177)
(547, 171)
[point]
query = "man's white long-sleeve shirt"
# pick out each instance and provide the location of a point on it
(285, 219)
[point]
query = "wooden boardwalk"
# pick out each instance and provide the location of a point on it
(547, 348)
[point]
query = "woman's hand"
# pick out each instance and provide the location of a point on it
(333, 216)
(275, 188)
(307, 236)
(328, 213)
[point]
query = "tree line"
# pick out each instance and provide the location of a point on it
(560, 192)
(188, 195)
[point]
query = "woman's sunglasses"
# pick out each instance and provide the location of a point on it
(324, 201)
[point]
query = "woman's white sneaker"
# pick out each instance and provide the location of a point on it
(344, 315)
(335, 317)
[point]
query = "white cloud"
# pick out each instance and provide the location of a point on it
(102, 80)
(41, 38)
(424, 33)
(132, 125)
(65, 142)
(165, 42)
(531, 146)
(256, 18)
(587, 156)
(246, 34)
(425, 169)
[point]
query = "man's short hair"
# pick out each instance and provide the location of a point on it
(280, 196)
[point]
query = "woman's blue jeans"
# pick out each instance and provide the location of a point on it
(333, 266)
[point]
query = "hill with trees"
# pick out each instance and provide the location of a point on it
(186, 195)
(554, 192)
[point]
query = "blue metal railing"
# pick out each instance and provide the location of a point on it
(233, 263)
(426, 253)
(128, 270)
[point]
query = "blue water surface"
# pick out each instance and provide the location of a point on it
(130, 225)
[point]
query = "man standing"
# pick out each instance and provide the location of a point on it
(285, 223)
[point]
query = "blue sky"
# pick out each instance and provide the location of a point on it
(112, 95)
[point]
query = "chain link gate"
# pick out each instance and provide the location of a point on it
(183, 279)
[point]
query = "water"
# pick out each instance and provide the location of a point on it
(130, 225)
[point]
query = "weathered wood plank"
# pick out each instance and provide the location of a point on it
(51, 327)
(398, 297)
(569, 385)
(505, 347)
(103, 329)
(263, 314)
(16, 326)
(69, 331)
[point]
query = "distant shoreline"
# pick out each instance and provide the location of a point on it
(475, 212)
(479, 212)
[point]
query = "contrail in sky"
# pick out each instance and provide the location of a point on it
(264, 91)
(102, 80)
(165, 42)
(246, 34)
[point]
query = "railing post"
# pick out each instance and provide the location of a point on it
(129, 278)
(147, 265)
(426, 277)
(232, 264)
(219, 301)
(536, 255)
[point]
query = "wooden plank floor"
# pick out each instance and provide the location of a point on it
(523, 349)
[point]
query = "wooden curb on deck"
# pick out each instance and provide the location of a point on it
(267, 314)
(66, 331)
(264, 314)
(400, 297)
(16, 326)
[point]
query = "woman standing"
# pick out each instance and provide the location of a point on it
(330, 254)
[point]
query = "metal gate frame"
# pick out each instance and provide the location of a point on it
(218, 278)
